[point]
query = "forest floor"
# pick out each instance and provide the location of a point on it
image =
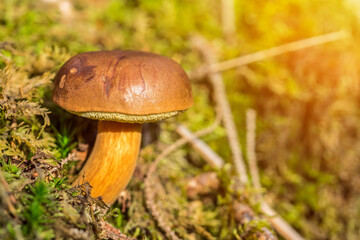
(269, 150)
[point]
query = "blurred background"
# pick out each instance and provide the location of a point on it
(307, 101)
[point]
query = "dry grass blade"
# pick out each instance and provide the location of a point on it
(5, 197)
(222, 103)
(267, 53)
(281, 226)
(210, 156)
(250, 147)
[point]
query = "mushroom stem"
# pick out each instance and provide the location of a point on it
(113, 159)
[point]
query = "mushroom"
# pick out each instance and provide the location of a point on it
(121, 89)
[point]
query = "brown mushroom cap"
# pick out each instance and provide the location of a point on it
(123, 86)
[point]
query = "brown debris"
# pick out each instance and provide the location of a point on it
(110, 232)
(203, 184)
(6, 197)
(81, 153)
(124, 200)
(244, 215)
(44, 165)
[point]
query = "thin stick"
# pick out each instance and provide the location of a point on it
(280, 225)
(223, 104)
(267, 53)
(211, 157)
(250, 147)
(5, 197)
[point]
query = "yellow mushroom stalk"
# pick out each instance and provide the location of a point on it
(113, 159)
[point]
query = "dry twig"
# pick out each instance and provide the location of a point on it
(267, 53)
(281, 226)
(223, 104)
(250, 147)
(110, 232)
(211, 157)
(5, 196)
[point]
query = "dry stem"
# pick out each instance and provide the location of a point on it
(222, 103)
(5, 196)
(213, 159)
(281, 226)
(250, 147)
(267, 53)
